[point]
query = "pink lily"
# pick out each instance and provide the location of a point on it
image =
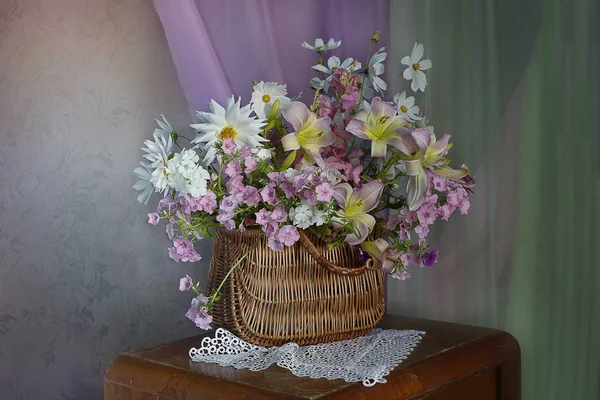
(382, 126)
(385, 258)
(355, 209)
(431, 155)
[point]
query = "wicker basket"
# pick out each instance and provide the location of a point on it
(305, 294)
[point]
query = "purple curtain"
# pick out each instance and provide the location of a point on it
(220, 47)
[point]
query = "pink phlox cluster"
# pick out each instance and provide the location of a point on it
(198, 313)
(183, 250)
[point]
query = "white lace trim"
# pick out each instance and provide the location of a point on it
(365, 359)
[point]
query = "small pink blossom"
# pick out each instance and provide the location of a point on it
(229, 204)
(288, 189)
(409, 259)
(288, 235)
(185, 283)
(208, 202)
(349, 100)
(464, 206)
(233, 169)
(183, 250)
(229, 146)
(404, 275)
(268, 194)
(422, 231)
(426, 214)
(235, 185)
(153, 218)
(446, 211)
(263, 217)
(274, 243)
(250, 196)
(250, 165)
(326, 108)
(279, 214)
(324, 192)
(439, 183)
(310, 197)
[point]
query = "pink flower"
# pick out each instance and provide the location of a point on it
(250, 195)
(203, 319)
(250, 165)
(268, 194)
(324, 192)
(349, 100)
(426, 214)
(288, 189)
(464, 206)
(229, 146)
(185, 283)
(263, 217)
(235, 185)
(353, 173)
(229, 204)
(409, 259)
(274, 243)
(404, 275)
(208, 203)
(153, 218)
(233, 169)
(439, 183)
(288, 235)
(279, 214)
(445, 211)
(422, 231)
(326, 108)
(309, 196)
(183, 250)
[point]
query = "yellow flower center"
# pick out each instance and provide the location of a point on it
(416, 67)
(228, 132)
(403, 109)
(266, 98)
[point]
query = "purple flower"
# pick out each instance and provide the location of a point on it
(274, 243)
(183, 250)
(229, 204)
(464, 206)
(288, 235)
(409, 259)
(446, 211)
(235, 185)
(324, 192)
(279, 214)
(430, 258)
(208, 203)
(439, 183)
(250, 165)
(276, 176)
(198, 313)
(153, 218)
(229, 146)
(263, 216)
(250, 195)
(167, 203)
(404, 275)
(310, 197)
(268, 194)
(233, 169)
(185, 283)
(426, 214)
(422, 231)
(288, 189)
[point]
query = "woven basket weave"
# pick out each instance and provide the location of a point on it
(305, 294)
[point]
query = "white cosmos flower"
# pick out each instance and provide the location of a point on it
(371, 81)
(415, 69)
(406, 106)
(333, 63)
(262, 154)
(231, 121)
(144, 174)
(321, 47)
(164, 127)
(265, 94)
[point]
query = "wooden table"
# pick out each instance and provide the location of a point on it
(452, 362)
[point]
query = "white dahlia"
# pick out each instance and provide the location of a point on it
(231, 121)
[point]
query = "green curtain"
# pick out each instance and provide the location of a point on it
(516, 84)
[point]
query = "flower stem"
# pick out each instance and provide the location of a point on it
(214, 296)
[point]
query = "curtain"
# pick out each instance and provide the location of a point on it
(516, 84)
(220, 47)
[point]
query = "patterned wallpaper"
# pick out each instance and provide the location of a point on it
(83, 277)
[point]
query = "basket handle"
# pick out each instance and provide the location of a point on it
(328, 265)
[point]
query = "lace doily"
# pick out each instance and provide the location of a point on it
(365, 359)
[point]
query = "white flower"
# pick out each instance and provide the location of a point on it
(164, 127)
(415, 69)
(265, 94)
(157, 152)
(333, 63)
(263, 154)
(302, 216)
(406, 107)
(370, 79)
(231, 121)
(186, 176)
(144, 174)
(319, 217)
(290, 173)
(321, 47)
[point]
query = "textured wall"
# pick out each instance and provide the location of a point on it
(82, 276)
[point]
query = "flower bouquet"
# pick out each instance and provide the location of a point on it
(347, 177)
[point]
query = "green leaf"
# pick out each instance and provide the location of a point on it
(288, 160)
(273, 112)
